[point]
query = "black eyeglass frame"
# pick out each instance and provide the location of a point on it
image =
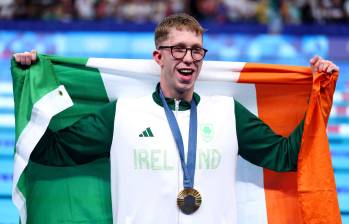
(186, 51)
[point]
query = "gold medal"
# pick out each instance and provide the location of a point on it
(189, 200)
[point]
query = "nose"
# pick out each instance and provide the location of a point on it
(187, 57)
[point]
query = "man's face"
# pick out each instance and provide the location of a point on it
(178, 76)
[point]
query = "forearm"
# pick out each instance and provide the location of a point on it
(87, 140)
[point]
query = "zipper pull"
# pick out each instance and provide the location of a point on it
(177, 104)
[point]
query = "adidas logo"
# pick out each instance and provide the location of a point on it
(146, 133)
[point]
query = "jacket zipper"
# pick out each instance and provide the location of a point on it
(177, 102)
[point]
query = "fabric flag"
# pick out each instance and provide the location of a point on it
(56, 91)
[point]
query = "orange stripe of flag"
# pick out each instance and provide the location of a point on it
(282, 98)
(277, 74)
(274, 102)
(316, 184)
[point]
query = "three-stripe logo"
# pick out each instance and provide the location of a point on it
(146, 133)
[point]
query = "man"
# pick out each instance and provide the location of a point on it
(145, 192)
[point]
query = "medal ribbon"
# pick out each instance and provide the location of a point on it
(189, 167)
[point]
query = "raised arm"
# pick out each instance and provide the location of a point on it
(260, 145)
(88, 139)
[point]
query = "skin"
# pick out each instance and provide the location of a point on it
(173, 84)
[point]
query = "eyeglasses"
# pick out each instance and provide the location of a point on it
(179, 52)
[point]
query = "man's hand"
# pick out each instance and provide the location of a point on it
(318, 64)
(26, 58)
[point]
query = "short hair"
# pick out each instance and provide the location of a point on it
(179, 21)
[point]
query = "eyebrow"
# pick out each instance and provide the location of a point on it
(181, 44)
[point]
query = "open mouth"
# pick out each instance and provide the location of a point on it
(185, 71)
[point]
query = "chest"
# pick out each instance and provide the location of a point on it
(143, 133)
(145, 161)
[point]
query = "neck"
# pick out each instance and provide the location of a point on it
(186, 95)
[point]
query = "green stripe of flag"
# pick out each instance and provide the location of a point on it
(78, 194)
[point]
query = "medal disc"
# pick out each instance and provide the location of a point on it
(189, 200)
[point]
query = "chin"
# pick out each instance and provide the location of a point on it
(184, 87)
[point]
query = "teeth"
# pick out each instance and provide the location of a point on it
(186, 71)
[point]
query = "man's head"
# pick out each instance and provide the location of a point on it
(179, 21)
(179, 52)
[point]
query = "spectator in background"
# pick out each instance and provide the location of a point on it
(176, 6)
(85, 9)
(243, 10)
(6, 9)
(63, 10)
(346, 9)
(262, 12)
(307, 9)
(272, 12)
(104, 9)
(323, 11)
(141, 11)
(138, 11)
(274, 16)
(290, 12)
(20, 10)
(209, 10)
(332, 11)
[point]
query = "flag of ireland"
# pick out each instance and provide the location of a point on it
(56, 91)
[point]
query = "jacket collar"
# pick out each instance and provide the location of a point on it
(183, 105)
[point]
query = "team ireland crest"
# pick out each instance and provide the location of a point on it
(207, 132)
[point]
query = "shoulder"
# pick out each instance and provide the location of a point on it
(135, 103)
(217, 99)
(217, 104)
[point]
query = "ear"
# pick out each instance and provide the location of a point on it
(157, 56)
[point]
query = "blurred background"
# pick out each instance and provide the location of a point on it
(268, 31)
